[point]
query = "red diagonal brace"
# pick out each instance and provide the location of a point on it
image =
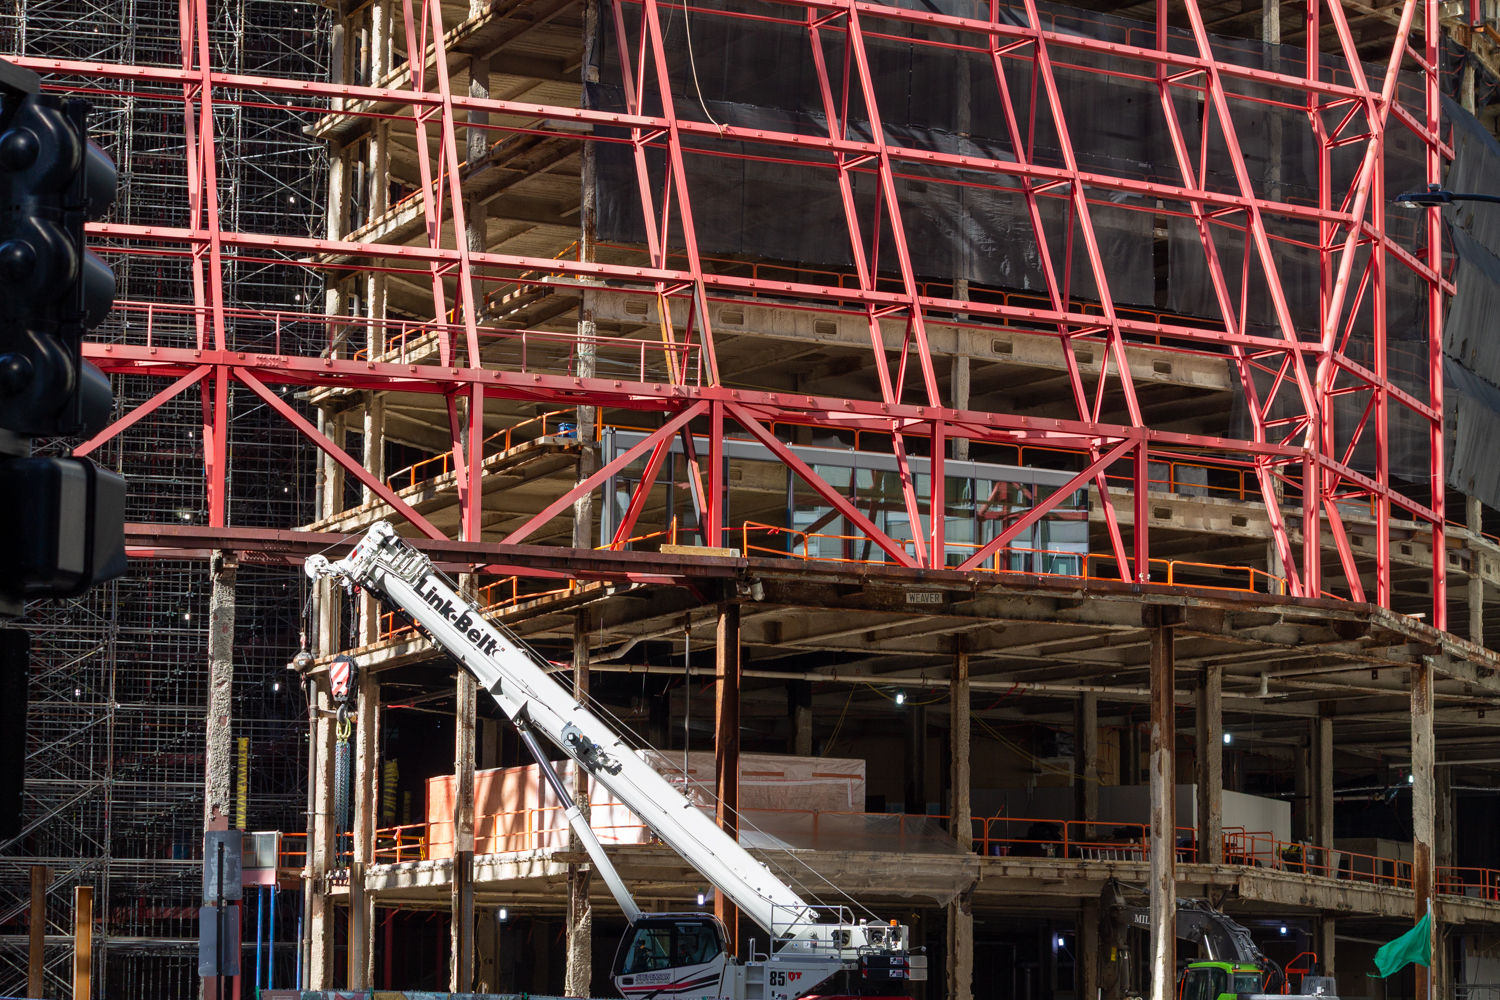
(338, 454)
(145, 409)
(893, 548)
(1040, 510)
(664, 433)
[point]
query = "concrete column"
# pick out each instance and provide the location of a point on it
(1475, 516)
(959, 387)
(321, 909)
(218, 791)
(461, 973)
(1163, 877)
(1321, 758)
(1422, 804)
(1209, 718)
(727, 746)
(1466, 87)
(916, 760)
(799, 717)
(959, 953)
(580, 965)
(380, 40)
(962, 741)
(586, 351)
(361, 947)
(1086, 965)
(1323, 943)
(1086, 759)
(476, 212)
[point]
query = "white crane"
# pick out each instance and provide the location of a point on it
(665, 956)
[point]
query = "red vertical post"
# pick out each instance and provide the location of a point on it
(1139, 536)
(1312, 553)
(1435, 323)
(713, 507)
(937, 506)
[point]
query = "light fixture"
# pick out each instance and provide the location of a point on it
(1283, 929)
(187, 616)
(1228, 739)
(901, 697)
(503, 915)
(275, 685)
(1059, 941)
(700, 899)
(1411, 779)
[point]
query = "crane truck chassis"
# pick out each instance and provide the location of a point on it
(681, 956)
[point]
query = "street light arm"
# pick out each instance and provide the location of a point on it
(1436, 196)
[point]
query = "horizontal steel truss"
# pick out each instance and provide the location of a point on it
(1309, 367)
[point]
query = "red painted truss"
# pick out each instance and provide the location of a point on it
(1291, 449)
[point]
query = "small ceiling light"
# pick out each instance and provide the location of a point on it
(1283, 929)
(700, 899)
(275, 685)
(187, 616)
(901, 697)
(1059, 941)
(503, 915)
(1411, 779)
(78, 692)
(1228, 739)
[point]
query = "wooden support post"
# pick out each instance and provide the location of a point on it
(1086, 760)
(219, 746)
(578, 979)
(1475, 511)
(962, 812)
(461, 972)
(727, 748)
(1422, 874)
(799, 718)
(1087, 962)
(83, 942)
(361, 950)
(1209, 718)
(41, 875)
(1322, 786)
(1163, 877)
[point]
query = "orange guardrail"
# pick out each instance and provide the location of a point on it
(537, 828)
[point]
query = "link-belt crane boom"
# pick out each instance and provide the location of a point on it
(665, 957)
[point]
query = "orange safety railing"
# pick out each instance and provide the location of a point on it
(1016, 836)
(293, 851)
(1035, 562)
(538, 828)
(397, 844)
(501, 440)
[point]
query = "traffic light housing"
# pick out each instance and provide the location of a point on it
(52, 288)
(66, 515)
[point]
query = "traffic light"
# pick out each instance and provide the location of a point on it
(52, 288)
(66, 515)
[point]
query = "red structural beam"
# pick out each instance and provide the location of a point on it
(1309, 369)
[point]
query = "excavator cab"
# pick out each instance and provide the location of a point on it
(671, 956)
(1216, 980)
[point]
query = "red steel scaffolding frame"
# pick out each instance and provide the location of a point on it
(1309, 368)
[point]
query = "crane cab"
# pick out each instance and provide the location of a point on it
(672, 956)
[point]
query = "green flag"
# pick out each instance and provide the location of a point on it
(1413, 946)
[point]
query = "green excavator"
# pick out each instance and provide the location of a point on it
(1236, 968)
